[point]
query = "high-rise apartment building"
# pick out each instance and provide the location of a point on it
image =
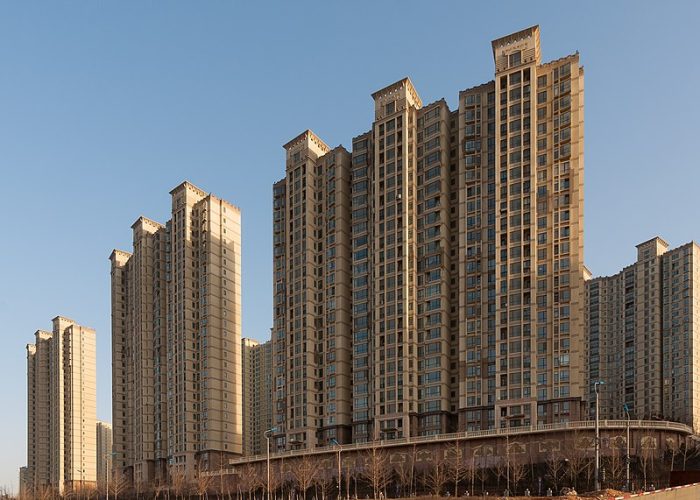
(523, 316)
(312, 296)
(257, 394)
(24, 483)
(62, 408)
(176, 340)
(104, 454)
(432, 279)
(642, 335)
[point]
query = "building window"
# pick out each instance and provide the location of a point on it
(514, 58)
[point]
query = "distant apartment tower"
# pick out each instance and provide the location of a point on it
(176, 340)
(643, 327)
(439, 266)
(62, 408)
(23, 483)
(104, 454)
(257, 394)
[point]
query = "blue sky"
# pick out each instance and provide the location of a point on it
(106, 106)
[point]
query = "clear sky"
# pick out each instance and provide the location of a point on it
(106, 106)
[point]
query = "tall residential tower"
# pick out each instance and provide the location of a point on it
(257, 394)
(643, 327)
(62, 409)
(176, 340)
(432, 279)
(104, 454)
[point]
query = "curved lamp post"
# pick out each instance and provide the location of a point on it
(267, 441)
(596, 384)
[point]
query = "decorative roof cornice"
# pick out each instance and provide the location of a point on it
(147, 222)
(307, 135)
(119, 253)
(515, 37)
(404, 82)
(190, 186)
(651, 240)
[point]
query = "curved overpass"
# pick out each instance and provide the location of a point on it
(537, 442)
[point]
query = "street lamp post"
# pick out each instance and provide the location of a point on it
(267, 441)
(627, 458)
(336, 443)
(597, 434)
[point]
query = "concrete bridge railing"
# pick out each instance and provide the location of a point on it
(460, 436)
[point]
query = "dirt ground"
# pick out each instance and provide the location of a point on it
(595, 495)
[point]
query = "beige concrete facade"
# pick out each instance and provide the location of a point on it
(62, 408)
(257, 394)
(643, 335)
(521, 257)
(104, 454)
(311, 333)
(433, 279)
(176, 333)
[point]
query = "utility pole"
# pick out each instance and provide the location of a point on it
(627, 458)
(267, 441)
(597, 433)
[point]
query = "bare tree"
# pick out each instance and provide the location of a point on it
(615, 464)
(304, 473)
(325, 480)
(589, 472)
(349, 473)
(180, 482)
(89, 492)
(646, 457)
(501, 470)
(377, 469)
(458, 465)
(160, 488)
(248, 479)
(673, 448)
(118, 483)
(690, 451)
(43, 493)
(578, 458)
(471, 473)
(518, 471)
(555, 467)
(404, 473)
(438, 473)
(276, 478)
(481, 474)
(202, 484)
(261, 476)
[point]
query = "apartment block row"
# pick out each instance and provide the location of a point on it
(644, 336)
(431, 279)
(428, 280)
